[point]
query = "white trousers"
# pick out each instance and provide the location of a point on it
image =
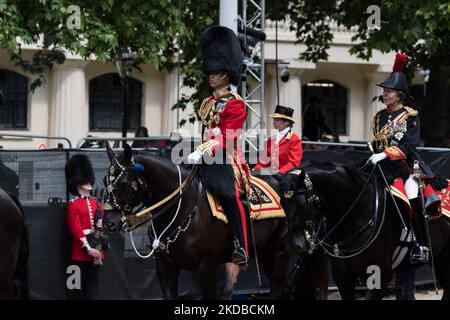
(411, 187)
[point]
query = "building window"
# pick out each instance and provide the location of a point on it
(106, 103)
(332, 100)
(13, 113)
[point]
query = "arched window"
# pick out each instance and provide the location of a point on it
(13, 112)
(333, 101)
(106, 103)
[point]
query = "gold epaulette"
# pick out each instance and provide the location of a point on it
(235, 95)
(411, 111)
(206, 110)
(207, 146)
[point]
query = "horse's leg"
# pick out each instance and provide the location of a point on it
(442, 268)
(229, 281)
(302, 278)
(7, 290)
(345, 280)
(322, 275)
(276, 267)
(385, 275)
(208, 279)
(168, 278)
(375, 294)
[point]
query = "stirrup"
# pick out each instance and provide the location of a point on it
(420, 254)
(239, 256)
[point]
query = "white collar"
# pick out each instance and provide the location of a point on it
(281, 134)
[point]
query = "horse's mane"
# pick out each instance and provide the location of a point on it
(166, 164)
(333, 168)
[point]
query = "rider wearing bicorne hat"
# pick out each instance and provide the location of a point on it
(223, 115)
(396, 133)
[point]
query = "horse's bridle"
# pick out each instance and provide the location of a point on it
(312, 200)
(133, 185)
(131, 221)
(312, 234)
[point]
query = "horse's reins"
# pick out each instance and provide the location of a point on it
(157, 239)
(377, 165)
(337, 252)
(315, 241)
(136, 220)
(131, 222)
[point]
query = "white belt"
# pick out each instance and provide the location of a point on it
(88, 231)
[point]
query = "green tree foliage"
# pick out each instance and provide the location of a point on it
(105, 28)
(421, 29)
(166, 34)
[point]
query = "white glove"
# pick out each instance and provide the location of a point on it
(377, 157)
(194, 157)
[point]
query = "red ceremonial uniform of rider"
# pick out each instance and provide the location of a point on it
(223, 115)
(284, 150)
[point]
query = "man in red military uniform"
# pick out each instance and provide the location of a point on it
(223, 115)
(284, 151)
(82, 221)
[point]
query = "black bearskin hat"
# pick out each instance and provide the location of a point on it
(397, 79)
(78, 171)
(221, 52)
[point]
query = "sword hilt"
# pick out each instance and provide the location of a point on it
(370, 146)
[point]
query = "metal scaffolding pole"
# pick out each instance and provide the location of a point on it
(253, 80)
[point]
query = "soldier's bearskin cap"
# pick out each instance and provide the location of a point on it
(221, 52)
(78, 171)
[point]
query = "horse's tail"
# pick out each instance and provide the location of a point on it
(21, 272)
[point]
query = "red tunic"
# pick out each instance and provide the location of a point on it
(225, 127)
(285, 155)
(79, 221)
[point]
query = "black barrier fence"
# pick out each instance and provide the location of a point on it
(37, 177)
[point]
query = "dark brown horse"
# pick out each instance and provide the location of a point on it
(193, 239)
(352, 217)
(13, 249)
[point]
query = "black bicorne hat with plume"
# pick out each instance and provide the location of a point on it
(397, 79)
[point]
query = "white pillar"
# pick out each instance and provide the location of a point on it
(291, 96)
(372, 106)
(169, 116)
(69, 110)
(270, 99)
(228, 14)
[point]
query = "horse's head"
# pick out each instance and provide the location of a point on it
(125, 186)
(300, 203)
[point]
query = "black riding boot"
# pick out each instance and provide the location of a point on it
(420, 252)
(231, 208)
(239, 255)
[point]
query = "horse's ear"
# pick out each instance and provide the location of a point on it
(127, 154)
(110, 152)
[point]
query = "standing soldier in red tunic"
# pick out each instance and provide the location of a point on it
(284, 150)
(82, 222)
(223, 115)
